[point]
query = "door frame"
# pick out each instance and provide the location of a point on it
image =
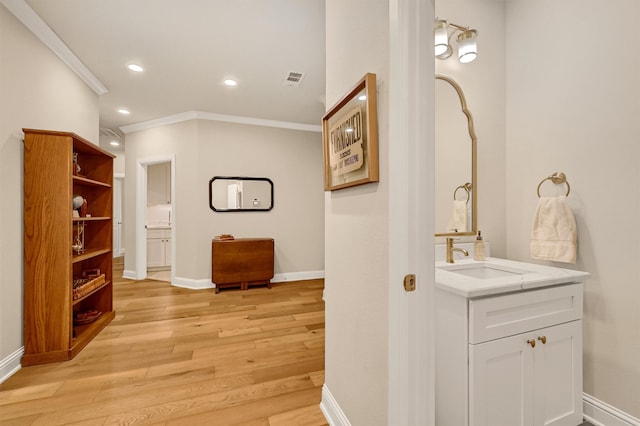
(119, 192)
(411, 350)
(141, 213)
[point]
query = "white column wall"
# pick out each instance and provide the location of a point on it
(356, 226)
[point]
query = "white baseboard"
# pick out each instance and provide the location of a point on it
(10, 365)
(602, 414)
(297, 276)
(130, 275)
(199, 284)
(331, 409)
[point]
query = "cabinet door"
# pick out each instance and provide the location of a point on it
(167, 251)
(159, 184)
(155, 252)
(501, 382)
(558, 375)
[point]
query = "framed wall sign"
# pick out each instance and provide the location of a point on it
(350, 138)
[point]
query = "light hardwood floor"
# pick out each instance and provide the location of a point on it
(182, 357)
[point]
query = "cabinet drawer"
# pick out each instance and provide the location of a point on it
(500, 316)
(158, 233)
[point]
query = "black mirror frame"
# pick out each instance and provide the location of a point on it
(239, 178)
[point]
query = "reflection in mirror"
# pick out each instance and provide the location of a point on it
(456, 193)
(239, 194)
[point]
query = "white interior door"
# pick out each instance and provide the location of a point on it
(118, 250)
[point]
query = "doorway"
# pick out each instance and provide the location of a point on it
(155, 218)
(159, 201)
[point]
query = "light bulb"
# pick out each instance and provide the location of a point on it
(441, 37)
(468, 48)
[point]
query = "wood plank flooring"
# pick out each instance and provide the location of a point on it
(174, 356)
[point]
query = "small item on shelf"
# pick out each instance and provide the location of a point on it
(478, 248)
(76, 169)
(91, 273)
(86, 317)
(83, 208)
(84, 286)
(77, 201)
(224, 237)
(78, 238)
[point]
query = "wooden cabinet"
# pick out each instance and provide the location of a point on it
(60, 248)
(511, 359)
(241, 262)
(159, 248)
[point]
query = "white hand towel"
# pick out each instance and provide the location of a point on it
(459, 217)
(554, 232)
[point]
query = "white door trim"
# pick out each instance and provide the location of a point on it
(141, 213)
(118, 218)
(411, 390)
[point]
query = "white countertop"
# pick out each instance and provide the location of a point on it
(518, 276)
(156, 226)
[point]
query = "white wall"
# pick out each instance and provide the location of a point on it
(572, 106)
(356, 224)
(292, 159)
(118, 163)
(39, 91)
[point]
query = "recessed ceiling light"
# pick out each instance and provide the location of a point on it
(230, 82)
(115, 143)
(363, 97)
(135, 67)
(124, 111)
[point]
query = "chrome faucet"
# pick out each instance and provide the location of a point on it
(451, 249)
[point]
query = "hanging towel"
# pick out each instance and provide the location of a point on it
(553, 236)
(459, 216)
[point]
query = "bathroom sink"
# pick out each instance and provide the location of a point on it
(483, 270)
(471, 278)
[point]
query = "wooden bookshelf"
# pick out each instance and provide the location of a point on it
(50, 261)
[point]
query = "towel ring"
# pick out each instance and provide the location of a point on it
(558, 178)
(466, 187)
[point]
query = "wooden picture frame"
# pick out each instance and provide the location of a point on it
(350, 138)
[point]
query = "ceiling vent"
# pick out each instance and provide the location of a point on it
(293, 79)
(105, 131)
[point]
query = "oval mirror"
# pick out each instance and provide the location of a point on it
(456, 185)
(240, 194)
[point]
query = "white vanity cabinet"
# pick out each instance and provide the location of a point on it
(512, 383)
(510, 359)
(158, 248)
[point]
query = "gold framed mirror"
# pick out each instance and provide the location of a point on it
(456, 182)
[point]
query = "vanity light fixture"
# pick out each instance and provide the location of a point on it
(444, 30)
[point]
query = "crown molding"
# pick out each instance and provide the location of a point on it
(199, 115)
(21, 10)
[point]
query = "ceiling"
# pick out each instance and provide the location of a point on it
(188, 48)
